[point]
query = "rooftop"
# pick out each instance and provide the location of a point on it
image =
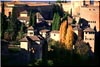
(24, 39)
(44, 30)
(24, 12)
(88, 29)
(34, 38)
(54, 31)
(30, 28)
(24, 18)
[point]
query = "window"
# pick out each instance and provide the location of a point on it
(86, 39)
(54, 34)
(93, 9)
(91, 32)
(31, 32)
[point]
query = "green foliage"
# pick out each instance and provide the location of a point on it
(4, 23)
(56, 22)
(58, 1)
(50, 63)
(14, 49)
(32, 19)
(82, 48)
(65, 17)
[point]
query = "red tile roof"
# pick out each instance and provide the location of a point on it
(34, 38)
(45, 30)
(24, 39)
(54, 31)
(89, 29)
(30, 28)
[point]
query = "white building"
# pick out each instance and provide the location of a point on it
(30, 31)
(55, 35)
(89, 37)
(44, 33)
(24, 43)
(24, 18)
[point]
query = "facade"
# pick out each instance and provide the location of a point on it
(24, 18)
(44, 33)
(55, 35)
(39, 17)
(32, 43)
(92, 15)
(78, 31)
(30, 31)
(24, 43)
(89, 37)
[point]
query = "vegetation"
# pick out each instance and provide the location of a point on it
(66, 35)
(58, 13)
(69, 38)
(63, 27)
(56, 22)
(60, 56)
(32, 19)
(4, 23)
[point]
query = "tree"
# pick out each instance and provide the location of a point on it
(13, 25)
(82, 48)
(63, 30)
(66, 35)
(4, 23)
(69, 38)
(56, 21)
(32, 19)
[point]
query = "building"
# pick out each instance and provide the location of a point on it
(24, 18)
(30, 31)
(39, 17)
(78, 31)
(92, 15)
(45, 33)
(55, 35)
(89, 37)
(24, 43)
(32, 43)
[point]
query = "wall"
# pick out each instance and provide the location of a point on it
(23, 15)
(91, 13)
(30, 31)
(55, 36)
(24, 45)
(91, 42)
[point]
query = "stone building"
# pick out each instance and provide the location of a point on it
(32, 43)
(89, 37)
(55, 35)
(24, 17)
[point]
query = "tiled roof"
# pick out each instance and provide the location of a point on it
(77, 28)
(24, 18)
(54, 31)
(45, 30)
(24, 12)
(89, 29)
(30, 28)
(34, 38)
(24, 39)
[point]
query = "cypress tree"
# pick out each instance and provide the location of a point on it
(32, 19)
(56, 21)
(4, 23)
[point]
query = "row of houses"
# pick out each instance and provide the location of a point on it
(33, 42)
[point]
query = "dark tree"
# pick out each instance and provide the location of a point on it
(4, 23)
